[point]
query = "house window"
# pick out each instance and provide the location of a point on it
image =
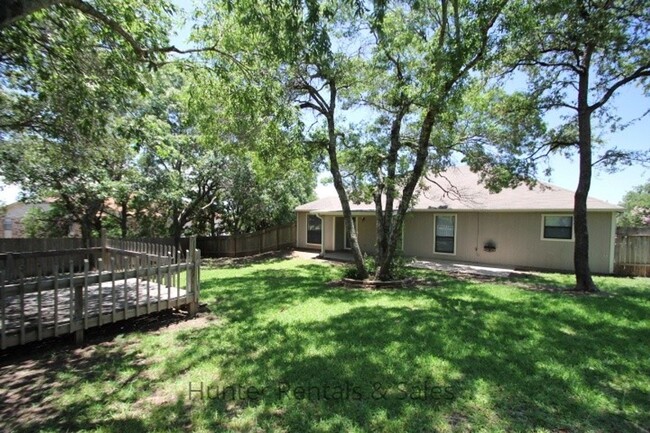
(8, 224)
(314, 229)
(557, 227)
(348, 244)
(445, 234)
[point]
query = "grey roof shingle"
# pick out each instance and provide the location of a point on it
(459, 189)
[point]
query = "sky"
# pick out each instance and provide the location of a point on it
(630, 103)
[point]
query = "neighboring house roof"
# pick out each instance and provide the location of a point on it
(458, 188)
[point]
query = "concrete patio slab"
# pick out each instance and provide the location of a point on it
(442, 265)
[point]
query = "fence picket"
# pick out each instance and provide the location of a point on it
(22, 306)
(3, 323)
(114, 299)
(39, 304)
(100, 301)
(55, 272)
(85, 293)
(126, 293)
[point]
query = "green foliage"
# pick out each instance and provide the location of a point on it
(404, 66)
(637, 207)
(51, 223)
(353, 272)
(210, 166)
(398, 268)
(600, 45)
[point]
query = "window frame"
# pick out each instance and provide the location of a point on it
(543, 226)
(307, 230)
(435, 220)
(7, 222)
(345, 233)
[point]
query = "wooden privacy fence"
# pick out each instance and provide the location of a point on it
(272, 239)
(632, 252)
(115, 282)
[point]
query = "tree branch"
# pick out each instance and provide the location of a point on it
(642, 71)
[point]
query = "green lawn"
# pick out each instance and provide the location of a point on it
(452, 355)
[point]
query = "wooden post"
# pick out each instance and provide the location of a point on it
(197, 275)
(3, 323)
(22, 304)
(104, 244)
(55, 273)
(113, 294)
(79, 309)
(39, 301)
(100, 300)
(10, 267)
(192, 288)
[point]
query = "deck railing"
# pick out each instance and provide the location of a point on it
(91, 287)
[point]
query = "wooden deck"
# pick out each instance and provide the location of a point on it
(134, 283)
(39, 318)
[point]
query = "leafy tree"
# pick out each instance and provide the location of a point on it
(114, 22)
(577, 55)
(637, 207)
(198, 158)
(62, 79)
(257, 197)
(406, 64)
(57, 132)
(51, 223)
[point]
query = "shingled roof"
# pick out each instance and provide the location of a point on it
(459, 189)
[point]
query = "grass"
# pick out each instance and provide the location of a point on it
(287, 353)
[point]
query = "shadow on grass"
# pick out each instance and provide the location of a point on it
(538, 359)
(40, 377)
(458, 356)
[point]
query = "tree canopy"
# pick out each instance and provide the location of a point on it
(379, 93)
(637, 207)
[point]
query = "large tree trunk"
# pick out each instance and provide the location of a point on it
(584, 282)
(397, 220)
(386, 224)
(123, 219)
(15, 10)
(335, 170)
(86, 226)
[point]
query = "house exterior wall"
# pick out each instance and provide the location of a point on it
(333, 229)
(301, 232)
(14, 214)
(516, 235)
(367, 233)
(339, 236)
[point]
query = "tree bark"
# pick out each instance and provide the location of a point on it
(124, 214)
(335, 170)
(15, 10)
(397, 219)
(584, 282)
(386, 224)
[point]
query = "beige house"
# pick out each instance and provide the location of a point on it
(12, 217)
(455, 218)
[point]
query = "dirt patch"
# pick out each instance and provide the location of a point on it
(29, 373)
(240, 262)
